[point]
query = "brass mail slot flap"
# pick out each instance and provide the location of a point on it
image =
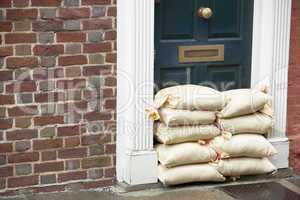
(201, 53)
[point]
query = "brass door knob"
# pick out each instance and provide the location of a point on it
(205, 12)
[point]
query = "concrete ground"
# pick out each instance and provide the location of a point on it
(265, 189)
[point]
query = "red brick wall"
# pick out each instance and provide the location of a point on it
(57, 94)
(294, 89)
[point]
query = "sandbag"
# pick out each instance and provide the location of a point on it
(174, 117)
(189, 97)
(249, 145)
(242, 102)
(255, 123)
(236, 167)
(184, 154)
(180, 134)
(189, 174)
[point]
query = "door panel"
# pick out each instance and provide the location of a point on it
(177, 24)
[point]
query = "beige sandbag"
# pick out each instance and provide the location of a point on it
(249, 145)
(236, 167)
(242, 102)
(174, 117)
(180, 134)
(184, 154)
(189, 174)
(255, 123)
(190, 97)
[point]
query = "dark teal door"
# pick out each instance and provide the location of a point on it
(192, 49)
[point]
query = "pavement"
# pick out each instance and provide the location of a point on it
(261, 189)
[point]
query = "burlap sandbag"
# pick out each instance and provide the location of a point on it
(249, 145)
(255, 123)
(189, 174)
(184, 154)
(180, 134)
(242, 102)
(236, 167)
(189, 97)
(174, 117)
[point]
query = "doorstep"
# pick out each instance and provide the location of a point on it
(280, 174)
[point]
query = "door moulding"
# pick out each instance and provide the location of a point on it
(136, 159)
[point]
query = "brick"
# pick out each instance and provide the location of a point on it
(5, 3)
(96, 70)
(46, 3)
(20, 3)
(73, 48)
(71, 84)
(46, 37)
(110, 148)
(6, 171)
(110, 104)
(48, 120)
(49, 167)
(23, 157)
(71, 37)
(15, 38)
(6, 75)
(96, 2)
(72, 25)
(72, 60)
(112, 12)
(96, 24)
(48, 109)
(19, 62)
(111, 58)
(24, 98)
(48, 13)
(72, 142)
(68, 131)
(73, 72)
(94, 162)
(24, 169)
(95, 173)
(7, 99)
(110, 81)
(98, 184)
(26, 86)
(6, 51)
(72, 164)
(49, 97)
(110, 172)
(23, 50)
(22, 122)
(48, 179)
(72, 153)
(21, 146)
(48, 61)
(95, 139)
(48, 50)
(2, 112)
(6, 124)
(22, 25)
(2, 183)
(98, 11)
(71, 2)
(5, 26)
(23, 181)
(2, 160)
(69, 176)
(95, 36)
(47, 132)
(49, 155)
(47, 144)
(21, 14)
(22, 111)
(94, 116)
(97, 47)
(22, 134)
(74, 13)
(47, 85)
(48, 25)
(6, 147)
(96, 150)
(22, 74)
(96, 59)
(110, 35)
(74, 95)
(48, 189)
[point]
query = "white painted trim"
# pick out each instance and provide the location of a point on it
(136, 159)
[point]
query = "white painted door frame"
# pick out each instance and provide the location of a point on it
(136, 158)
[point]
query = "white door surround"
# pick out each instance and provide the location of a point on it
(136, 158)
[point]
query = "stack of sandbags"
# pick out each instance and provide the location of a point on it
(246, 115)
(186, 116)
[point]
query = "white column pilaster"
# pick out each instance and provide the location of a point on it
(136, 159)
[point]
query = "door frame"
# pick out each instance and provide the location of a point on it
(136, 159)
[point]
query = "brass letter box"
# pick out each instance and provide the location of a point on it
(201, 53)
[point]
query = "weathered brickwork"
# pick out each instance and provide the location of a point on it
(294, 89)
(57, 94)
